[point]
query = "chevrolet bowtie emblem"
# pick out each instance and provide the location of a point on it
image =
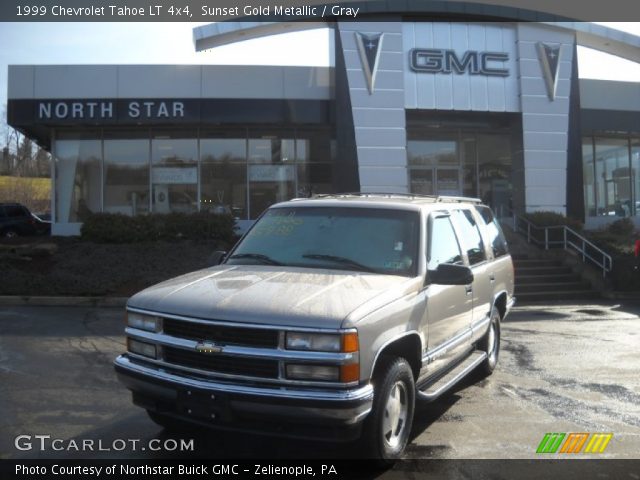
(208, 347)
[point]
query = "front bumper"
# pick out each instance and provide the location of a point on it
(308, 413)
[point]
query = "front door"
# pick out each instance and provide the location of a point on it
(449, 307)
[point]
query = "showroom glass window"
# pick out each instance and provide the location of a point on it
(126, 172)
(610, 172)
(78, 157)
(174, 172)
(314, 158)
(635, 174)
(588, 177)
(271, 170)
(223, 173)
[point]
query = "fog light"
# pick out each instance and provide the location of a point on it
(313, 372)
(141, 348)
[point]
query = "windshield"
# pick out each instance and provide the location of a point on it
(361, 239)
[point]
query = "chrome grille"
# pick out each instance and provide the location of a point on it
(222, 334)
(252, 367)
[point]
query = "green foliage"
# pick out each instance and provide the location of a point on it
(623, 227)
(624, 276)
(551, 219)
(118, 228)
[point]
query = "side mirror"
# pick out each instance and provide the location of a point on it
(216, 258)
(449, 274)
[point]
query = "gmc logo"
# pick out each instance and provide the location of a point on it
(433, 60)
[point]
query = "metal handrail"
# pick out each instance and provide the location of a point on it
(579, 243)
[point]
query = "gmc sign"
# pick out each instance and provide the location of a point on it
(434, 60)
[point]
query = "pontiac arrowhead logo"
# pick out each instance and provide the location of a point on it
(369, 47)
(550, 61)
(208, 347)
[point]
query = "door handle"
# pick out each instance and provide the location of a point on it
(492, 278)
(468, 289)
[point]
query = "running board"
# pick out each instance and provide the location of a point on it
(452, 377)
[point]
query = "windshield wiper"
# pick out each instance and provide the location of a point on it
(257, 256)
(341, 260)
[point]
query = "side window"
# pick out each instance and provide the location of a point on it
(443, 244)
(469, 235)
(494, 232)
(14, 211)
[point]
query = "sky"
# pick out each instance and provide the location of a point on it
(171, 43)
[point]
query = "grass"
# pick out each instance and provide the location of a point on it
(34, 192)
(41, 187)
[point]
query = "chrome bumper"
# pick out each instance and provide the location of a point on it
(333, 407)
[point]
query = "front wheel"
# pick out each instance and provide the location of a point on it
(388, 426)
(490, 344)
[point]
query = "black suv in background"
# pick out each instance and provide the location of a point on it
(16, 220)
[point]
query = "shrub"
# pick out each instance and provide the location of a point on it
(118, 228)
(624, 276)
(623, 227)
(551, 219)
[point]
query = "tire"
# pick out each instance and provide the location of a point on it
(167, 422)
(490, 344)
(388, 426)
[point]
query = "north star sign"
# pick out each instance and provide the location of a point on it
(105, 110)
(435, 60)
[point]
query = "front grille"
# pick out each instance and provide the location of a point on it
(222, 364)
(222, 334)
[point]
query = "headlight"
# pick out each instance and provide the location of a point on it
(141, 348)
(322, 342)
(313, 372)
(318, 342)
(143, 322)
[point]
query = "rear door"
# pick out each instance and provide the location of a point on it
(501, 267)
(473, 248)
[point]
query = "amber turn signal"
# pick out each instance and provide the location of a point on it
(350, 342)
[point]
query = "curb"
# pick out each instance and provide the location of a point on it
(9, 300)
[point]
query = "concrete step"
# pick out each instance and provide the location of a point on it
(557, 295)
(551, 287)
(522, 279)
(560, 270)
(534, 262)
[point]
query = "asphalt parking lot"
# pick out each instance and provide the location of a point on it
(563, 368)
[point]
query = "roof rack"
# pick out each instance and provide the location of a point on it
(434, 198)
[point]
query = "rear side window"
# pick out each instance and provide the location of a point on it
(15, 211)
(443, 244)
(494, 232)
(469, 235)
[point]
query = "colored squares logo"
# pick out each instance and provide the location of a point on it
(574, 442)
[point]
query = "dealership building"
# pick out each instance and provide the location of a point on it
(484, 105)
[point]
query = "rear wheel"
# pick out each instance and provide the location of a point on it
(490, 344)
(388, 426)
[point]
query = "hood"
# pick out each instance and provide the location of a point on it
(268, 295)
